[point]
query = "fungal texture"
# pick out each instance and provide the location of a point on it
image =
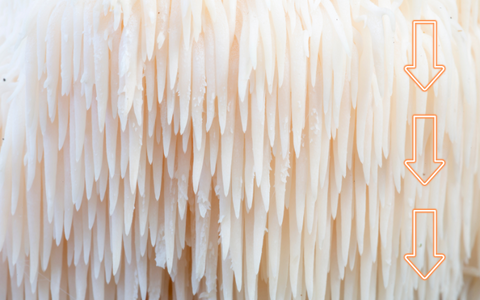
(235, 149)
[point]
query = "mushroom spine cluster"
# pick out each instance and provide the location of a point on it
(235, 149)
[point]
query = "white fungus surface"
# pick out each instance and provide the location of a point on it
(235, 149)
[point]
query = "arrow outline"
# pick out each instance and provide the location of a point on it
(435, 254)
(414, 54)
(414, 149)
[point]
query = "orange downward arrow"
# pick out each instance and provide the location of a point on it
(414, 54)
(414, 149)
(435, 254)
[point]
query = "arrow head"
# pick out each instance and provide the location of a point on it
(420, 179)
(434, 79)
(425, 277)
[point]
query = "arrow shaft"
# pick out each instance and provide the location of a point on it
(414, 40)
(414, 135)
(414, 235)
